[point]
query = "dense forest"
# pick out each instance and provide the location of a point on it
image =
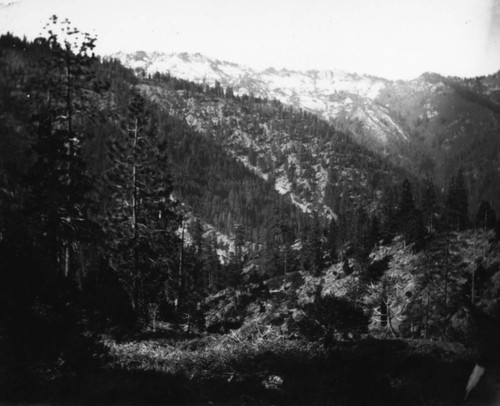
(148, 251)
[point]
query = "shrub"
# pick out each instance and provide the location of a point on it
(328, 317)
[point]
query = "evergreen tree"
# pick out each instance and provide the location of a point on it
(450, 204)
(277, 244)
(211, 264)
(59, 180)
(406, 202)
(47, 206)
(429, 205)
(361, 241)
(315, 245)
(239, 241)
(374, 233)
(409, 218)
(389, 211)
(198, 277)
(485, 216)
(462, 201)
(141, 216)
(457, 205)
(196, 232)
(332, 241)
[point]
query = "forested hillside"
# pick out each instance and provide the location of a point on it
(154, 230)
(429, 125)
(316, 169)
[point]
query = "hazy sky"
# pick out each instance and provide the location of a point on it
(397, 39)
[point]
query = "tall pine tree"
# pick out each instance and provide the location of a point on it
(457, 204)
(409, 218)
(142, 217)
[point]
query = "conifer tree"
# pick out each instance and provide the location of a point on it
(316, 245)
(462, 201)
(409, 218)
(142, 217)
(239, 241)
(429, 205)
(332, 240)
(374, 230)
(277, 243)
(457, 205)
(361, 242)
(197, 274)
(406, 202)
(47, 206)
(197, 236)
(211, 264)
(485, 216)
(59, 178)
(389, 211)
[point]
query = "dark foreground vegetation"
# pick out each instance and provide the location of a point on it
(112, 287)
(232, 370)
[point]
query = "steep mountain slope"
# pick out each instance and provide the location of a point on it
(430, 125)
(454, 123)
(94, 240)
(279, 173)
(424, 289)
(331, 94)
(309, 162)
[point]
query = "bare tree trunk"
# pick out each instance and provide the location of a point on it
(389, 319)
(66, 259)
(70, 152)
(473, 282)
(82, 270)
(135, 210)
(446, 270)
(286, 258)
(427, 307)
(134, 184)
(181, 266)
(428, 301)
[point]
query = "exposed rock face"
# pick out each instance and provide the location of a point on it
(430, 125)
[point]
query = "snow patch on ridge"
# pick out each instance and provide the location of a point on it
(332, 94)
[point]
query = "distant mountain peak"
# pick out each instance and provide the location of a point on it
(425, 124)
(329, 93)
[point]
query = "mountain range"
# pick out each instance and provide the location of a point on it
(429, 126)
(201, 227)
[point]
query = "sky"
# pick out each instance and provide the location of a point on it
(395, 39)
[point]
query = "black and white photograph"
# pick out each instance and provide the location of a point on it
(250, 202)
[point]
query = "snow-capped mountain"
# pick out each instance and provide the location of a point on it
(430, 125)
(334, 95)
(312, 166)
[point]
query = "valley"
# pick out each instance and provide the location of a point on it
(428, 125)
(176, 229)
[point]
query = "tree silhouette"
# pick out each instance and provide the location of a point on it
(457, 205)
(142, 217)
(485, 216)
(409, 218)
(429, 205)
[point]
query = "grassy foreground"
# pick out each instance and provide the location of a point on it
(229, 370)
(262, 369)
